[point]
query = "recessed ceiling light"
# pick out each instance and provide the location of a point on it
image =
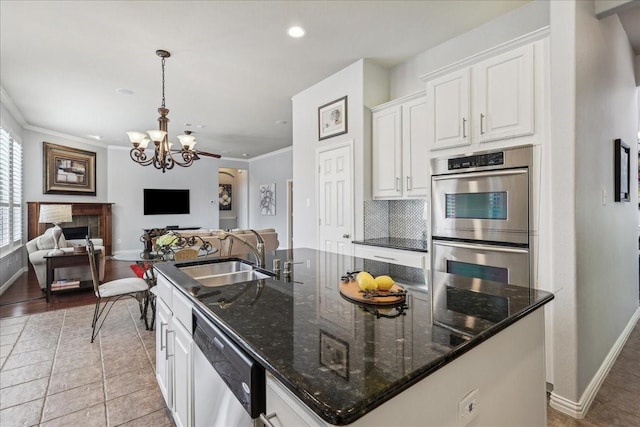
(296, 32)
(245, 155)
(95, 136)
(281, 122)
(123, 91)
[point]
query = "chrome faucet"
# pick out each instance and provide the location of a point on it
(257, 250)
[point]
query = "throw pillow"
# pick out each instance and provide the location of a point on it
(46, 240)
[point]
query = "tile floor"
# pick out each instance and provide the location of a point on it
(618, 400)
(51, 375)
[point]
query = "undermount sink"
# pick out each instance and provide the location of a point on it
(223, 273)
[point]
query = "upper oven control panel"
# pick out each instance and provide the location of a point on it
(477, 160)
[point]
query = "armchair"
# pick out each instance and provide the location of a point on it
(39, 247)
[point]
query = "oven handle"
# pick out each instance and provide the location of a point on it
(459, 175)
(481, 247)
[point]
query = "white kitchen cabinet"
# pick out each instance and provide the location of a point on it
(399, 148)
(449, 110)
(174, 351)
(164, 369)
(505, 96)
(490, 100)
(393, 256)
(284, 409)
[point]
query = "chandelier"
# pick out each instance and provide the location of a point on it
(162, 157)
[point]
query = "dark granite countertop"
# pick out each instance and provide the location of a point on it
(416, 245)
(342, 359)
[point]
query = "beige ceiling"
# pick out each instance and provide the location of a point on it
(233, 69)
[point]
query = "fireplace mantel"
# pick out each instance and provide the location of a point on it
(103, 210)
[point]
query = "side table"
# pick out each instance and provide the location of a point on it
(67, 259)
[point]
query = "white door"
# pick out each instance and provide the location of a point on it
(335, 193)
(449, 110)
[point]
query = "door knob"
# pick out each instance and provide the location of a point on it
(346, 236)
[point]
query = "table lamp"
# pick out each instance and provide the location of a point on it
(55, 214)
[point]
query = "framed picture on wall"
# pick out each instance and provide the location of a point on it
(224, 197)
(621, 171)
(332, 118)
(68, 170)
(268, 199)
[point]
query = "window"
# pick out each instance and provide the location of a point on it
(10, 193)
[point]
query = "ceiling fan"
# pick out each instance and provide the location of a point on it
(198, 152)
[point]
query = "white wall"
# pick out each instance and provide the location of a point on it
(405, 78)
(366, 85)
(606, 109)
(127, 180)
(276, 167)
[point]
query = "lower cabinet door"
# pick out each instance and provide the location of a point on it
(182, 374)
(285, 410)
(164, 368)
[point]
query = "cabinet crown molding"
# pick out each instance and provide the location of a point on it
(531, 37)
(399, 101)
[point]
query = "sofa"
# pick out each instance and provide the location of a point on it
(39, 247)
(269, 235)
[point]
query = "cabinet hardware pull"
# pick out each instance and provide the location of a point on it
(266, 419)
(397, 184)
(481, 124)
(346, 236)
(162, 325)
(464, 128)
(166, 333)
(408, 182)
(384, 257)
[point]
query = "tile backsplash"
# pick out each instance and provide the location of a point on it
(404, 219)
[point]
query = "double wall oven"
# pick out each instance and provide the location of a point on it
(481, 215)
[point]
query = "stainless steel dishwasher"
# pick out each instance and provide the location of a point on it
(229, 386)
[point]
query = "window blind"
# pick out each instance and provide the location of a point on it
(10, 192)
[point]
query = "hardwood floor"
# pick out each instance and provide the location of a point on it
(25, 297)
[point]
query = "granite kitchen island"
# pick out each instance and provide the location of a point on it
(456, 342)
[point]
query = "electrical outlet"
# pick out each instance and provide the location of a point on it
(468, 408)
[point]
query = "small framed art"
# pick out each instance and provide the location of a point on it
(621, 171)
(332, 118)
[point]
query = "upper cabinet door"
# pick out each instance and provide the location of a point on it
(415, 153)
(505, 100)
(387, 152)
(449, 110)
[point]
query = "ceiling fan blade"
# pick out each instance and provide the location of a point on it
(199, 153)
(204, 153)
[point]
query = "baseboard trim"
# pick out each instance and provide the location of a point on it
(12, 279)
(579, 409)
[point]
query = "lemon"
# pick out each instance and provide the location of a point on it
(384, 282)
(366, 282)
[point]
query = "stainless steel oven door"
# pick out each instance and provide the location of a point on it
(498, 263)
(490, 206)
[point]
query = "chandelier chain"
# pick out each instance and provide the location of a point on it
(163, 106)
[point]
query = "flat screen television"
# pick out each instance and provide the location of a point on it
(159, 201)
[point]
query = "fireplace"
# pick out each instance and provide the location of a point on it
(95, 216)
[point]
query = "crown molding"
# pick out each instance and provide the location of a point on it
(272, 153)
(6, 100)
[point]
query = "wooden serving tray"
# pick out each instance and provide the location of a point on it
(351, 291)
